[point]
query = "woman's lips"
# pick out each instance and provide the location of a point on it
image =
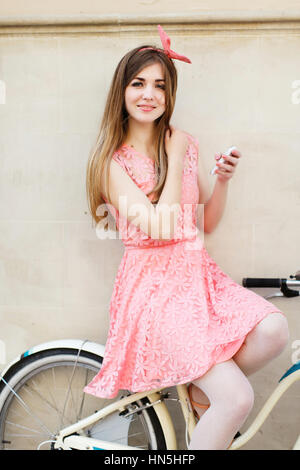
(146, 108)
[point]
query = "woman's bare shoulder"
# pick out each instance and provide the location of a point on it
(190, 136)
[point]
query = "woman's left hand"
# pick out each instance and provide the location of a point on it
(226, 170)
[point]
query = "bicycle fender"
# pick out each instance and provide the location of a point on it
(79, 344)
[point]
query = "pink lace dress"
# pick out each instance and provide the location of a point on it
(173, 312)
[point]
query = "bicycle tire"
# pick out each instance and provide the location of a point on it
(29, 371)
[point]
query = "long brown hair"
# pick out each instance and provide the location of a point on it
(114, 125)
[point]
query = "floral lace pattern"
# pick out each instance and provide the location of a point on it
(141, 169)
(173, 312)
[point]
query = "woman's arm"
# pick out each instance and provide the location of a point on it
(215, 206)
(157, 221)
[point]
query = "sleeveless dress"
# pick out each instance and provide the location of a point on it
(173, 312)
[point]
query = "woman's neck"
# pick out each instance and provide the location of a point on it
(141, 138)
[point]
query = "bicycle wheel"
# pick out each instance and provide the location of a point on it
(49, 396)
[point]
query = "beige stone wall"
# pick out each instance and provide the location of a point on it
(170, 7)
(242, 88)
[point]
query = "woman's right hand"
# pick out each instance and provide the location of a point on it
(176, 144)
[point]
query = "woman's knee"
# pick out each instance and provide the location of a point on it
(244, 400)
(238, 402)
(228, 390)
(274, 331)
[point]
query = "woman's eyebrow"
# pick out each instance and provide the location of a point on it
(157, 80)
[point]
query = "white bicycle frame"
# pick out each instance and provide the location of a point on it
(67, 440)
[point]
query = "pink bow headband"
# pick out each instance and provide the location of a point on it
(166, 42)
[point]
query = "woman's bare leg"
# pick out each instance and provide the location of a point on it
(231, 399)
(265, 342)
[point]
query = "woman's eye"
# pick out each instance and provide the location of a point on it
(140, 83)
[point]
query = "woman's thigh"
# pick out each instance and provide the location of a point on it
(271, 333)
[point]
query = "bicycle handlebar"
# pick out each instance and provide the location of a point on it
(262, 282)
(282, 283)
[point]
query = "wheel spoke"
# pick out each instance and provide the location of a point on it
(83, 396)
(16, 425)
(29, 411)
(49, 396)
(69, 390)
(34, 391)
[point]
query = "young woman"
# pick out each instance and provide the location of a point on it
(175, 316)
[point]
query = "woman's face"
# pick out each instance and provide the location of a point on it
(145, 94)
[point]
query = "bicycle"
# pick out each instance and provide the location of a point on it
(42, 402)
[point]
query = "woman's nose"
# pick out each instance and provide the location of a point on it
(148, 92)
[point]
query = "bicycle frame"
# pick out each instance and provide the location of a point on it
(291, 376)
(66, 439)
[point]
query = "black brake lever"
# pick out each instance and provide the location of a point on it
(288, 292)
(296, 276)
